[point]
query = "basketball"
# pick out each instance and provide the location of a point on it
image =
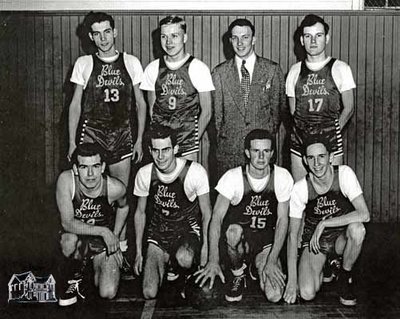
(204, 298)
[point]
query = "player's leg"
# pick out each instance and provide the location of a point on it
(154, 270)
(310, 273)
(272, 294)
(236, 249)
(106, 272)
(71, 269)
(350, 245)
(121, 170)
(188, 250)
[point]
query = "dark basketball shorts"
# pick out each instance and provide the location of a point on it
(332, 134)
(327, 240)
(187, 134)
(171, 244)
(116, 143)
(256, 241)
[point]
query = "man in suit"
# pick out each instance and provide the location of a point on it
(249, 94)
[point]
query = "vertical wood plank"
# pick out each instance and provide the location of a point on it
(377, 120)
(386, 117)
(39, 146)
(369, 115)
(58, 115)
(394, 132)
(48, 105)
(360, 105)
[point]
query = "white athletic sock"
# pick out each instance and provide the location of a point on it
(240, 271)
(123, 245)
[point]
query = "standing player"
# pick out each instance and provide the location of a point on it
(179, 88)
(106, 90)
(177, 193)
(320, 91)
(333, 205)
(251, 213)
(86, 199)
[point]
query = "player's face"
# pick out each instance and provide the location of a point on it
(242, 41)
(103, 36)
(315, 40)
(173, 40)
(89, 170)
(259, 154)
(318, 159)
(163, 154)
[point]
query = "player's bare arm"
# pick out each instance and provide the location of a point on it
(74, 114)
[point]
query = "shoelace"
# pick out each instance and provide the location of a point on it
(237, 281)
(74, 286)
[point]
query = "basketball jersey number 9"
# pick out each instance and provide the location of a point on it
(172, 103)
(111, 95)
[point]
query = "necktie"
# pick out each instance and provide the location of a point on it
(245, 83)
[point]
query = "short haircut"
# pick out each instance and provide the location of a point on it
(87, 150)
(161, 132)
(241, 23)
(174, 20)
(259, 134)
(97, 17)
(311, 19)
(316, 139)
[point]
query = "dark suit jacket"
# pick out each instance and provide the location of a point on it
(232, 120)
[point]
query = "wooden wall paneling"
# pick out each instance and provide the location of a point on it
(285, 43)
(127, 33)
(377, 116)
(292, 27)
(48, 105)
(215, 41)
(136, 37)
(8, 25)
(266, 37)
(352, 128)
(394, 132)
(369, 113)
(333, 49)
(38, 102)
(145, 41)
(275, 38)
(29, 103)
(57, 87)
(359, 116)
(386, 119)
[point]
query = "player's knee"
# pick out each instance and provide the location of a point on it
(68, 244)
(149, 292)
(273, 295)
(234, 235)
(356, 232)
(108, 291)
(307, 292)
(185, 256)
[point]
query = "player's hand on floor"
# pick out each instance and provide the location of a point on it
(210, 271)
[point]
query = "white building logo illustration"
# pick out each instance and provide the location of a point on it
(27, 287)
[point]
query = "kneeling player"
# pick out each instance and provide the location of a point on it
(332, 201)
(86, 199)
(251, 212)
(177, 193)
